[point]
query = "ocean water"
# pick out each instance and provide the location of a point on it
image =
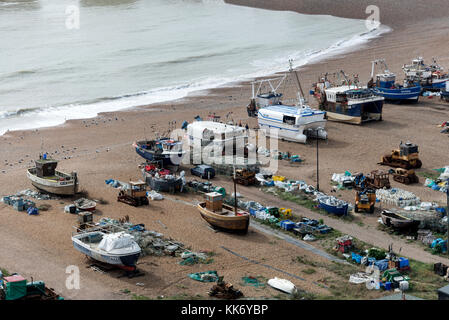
(128, 53)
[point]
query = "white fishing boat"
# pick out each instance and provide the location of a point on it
(118, 248)
(215, 139)
(282, 285)
(44, 176)
(293, 122)
(431, 77)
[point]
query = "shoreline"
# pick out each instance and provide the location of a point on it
(340, 47)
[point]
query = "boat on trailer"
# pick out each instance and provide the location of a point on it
(348, 103)
(293, 122)
(44, 176)
(117, 248)
(384, 85)
(431, 77)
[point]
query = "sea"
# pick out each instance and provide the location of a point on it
(72, 59)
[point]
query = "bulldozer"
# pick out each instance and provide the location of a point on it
(405, 176)
(135, 194)
(245, 177)
(406, 157)
(365, 200)
(378, 179)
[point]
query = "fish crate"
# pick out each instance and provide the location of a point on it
(287, 225)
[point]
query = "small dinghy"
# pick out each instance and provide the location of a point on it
(84, 204)
(333, 205)
(118, 248)
(282, 285)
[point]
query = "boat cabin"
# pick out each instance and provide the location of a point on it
(385, 80)
(268, 99)
(46, 167)
(214, 201)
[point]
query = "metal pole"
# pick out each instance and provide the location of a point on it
(235, 195)
(317, 164)
(447, 215)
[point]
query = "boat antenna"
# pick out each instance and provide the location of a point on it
(302, 99)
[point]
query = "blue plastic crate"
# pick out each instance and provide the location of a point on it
(287, 225)
(403, 263)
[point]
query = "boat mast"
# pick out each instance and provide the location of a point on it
(301, 99)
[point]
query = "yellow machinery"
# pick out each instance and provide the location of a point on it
(406, 157)
(405, 176)
(285, 213)
(135, 194)
(365, 200)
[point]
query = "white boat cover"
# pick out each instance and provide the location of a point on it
(114, 241)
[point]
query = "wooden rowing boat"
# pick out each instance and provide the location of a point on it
(391, 219)
(225, 217)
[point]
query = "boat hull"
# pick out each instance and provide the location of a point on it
(237, 224)
(355, 113)
(397, 221)
(167, 158)
(128, 260)
(53, 186)
(338, 211)
(163, 185)
(399, 94)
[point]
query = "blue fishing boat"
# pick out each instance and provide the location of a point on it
(166, 150)
(348, 103)
(430, 77)
(333, 205)
(384, 85)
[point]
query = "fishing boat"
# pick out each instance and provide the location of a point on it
(162, 179)
(287, 122)
(44, 176)
(333, 205)
(117, 249)
(84, 204)
(293, 123)
(164, 150)
(391, 219)
(431, 77)
(217, 139)
(349, 103)
(384, 85)
(222, 216)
